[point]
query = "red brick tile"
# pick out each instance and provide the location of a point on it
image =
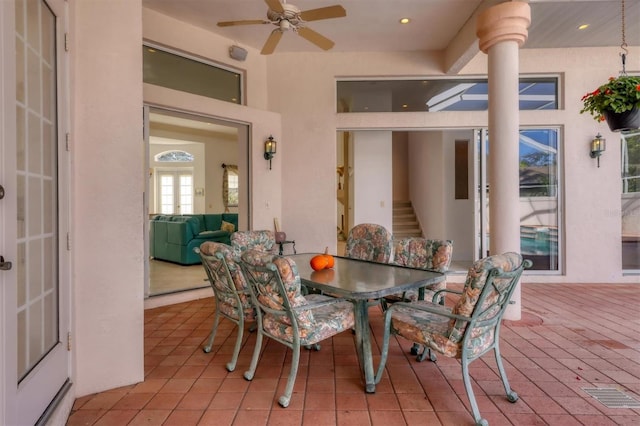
(195, 401)
(116, 417)
(320, 401)
(133, 401)
(315, 418)
(150, 417)
(217, 418)
(286, 418)
(164, 401)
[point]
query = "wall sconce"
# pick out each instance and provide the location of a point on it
(270, 149)
(598, 146)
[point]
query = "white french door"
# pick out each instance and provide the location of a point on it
(34, 275)
(175, 190)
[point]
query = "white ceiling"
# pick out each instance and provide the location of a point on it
(372, 25)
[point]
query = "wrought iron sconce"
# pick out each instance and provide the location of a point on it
(598, 146)
(270, 149)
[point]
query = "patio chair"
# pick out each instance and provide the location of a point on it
(423, 253)
(285, 315)
(233, 299)
(468, 330)
(418, 252)
(369, 241)
(263, 240)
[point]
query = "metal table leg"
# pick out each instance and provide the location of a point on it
(363, 343)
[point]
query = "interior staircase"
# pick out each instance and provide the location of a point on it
(405, 223)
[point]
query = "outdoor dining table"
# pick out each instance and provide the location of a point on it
(361, 281)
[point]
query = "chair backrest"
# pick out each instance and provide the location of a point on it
(275, 284)
(485, 296)
(417, 252)
(262, 240)
(369, 241)
(227, 280)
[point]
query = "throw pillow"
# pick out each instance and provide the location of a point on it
(228, 226)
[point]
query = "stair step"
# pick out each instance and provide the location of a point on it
(404, 216)
(404, 234)
(405, 222)
(406, 225)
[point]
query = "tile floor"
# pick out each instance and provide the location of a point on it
(571, 336)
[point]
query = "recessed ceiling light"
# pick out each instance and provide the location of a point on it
(404, 20)
(405, 106)
(583, 26)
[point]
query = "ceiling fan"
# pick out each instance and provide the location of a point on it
(288, 17)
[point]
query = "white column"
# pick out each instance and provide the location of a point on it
(502, 29)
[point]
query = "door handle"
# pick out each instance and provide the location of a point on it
(4, 266)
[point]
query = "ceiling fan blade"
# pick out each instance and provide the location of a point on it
(275, 5)
(316, 38)
(272, 42)
(243, 22)
(323, 13)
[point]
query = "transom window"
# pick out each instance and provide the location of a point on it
(431, 95)
(190, 74)
(174, 156)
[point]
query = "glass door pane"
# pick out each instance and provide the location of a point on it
(37, 304)
(539, 196)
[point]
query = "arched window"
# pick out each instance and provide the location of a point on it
(174, 156)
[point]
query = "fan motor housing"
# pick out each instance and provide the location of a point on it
(291, 13)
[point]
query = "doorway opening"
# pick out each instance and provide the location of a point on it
(188, 158)
(439, 189)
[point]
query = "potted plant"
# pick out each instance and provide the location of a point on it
(617, 101)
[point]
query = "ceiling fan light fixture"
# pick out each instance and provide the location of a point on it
(285, 25)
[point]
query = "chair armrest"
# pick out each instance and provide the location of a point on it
(435, 309)
(436, 294)
(314, 305)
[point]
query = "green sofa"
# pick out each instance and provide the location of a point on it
(173, 237)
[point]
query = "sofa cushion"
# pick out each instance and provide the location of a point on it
(213, 222)
(227, 226)
(211, 234)
(202, 225)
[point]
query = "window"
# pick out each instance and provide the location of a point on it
(630, 202)
(175, 191)
(190, 74)
(230, 185)
(539, 198)
(172, 156)
(538, 162)
(438, 95)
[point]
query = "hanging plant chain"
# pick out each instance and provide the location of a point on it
(624, 45)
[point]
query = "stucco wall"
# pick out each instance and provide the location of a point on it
(107, 238)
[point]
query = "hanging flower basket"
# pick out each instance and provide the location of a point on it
(619, 96)
(620, 122)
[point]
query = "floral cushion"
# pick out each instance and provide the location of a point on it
(368, 241)
(476, 279)
(256, 240)
(417, 252)
(424, 327)
(444, 334)
(315, 324)
(226, 301)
